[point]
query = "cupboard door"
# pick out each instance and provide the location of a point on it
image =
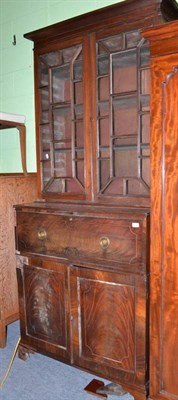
(111, 325)
(170, 238)
(123, 107)
(164, 213)
(44, 307)
(164, 254)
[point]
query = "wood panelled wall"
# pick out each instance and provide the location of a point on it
(13, 190)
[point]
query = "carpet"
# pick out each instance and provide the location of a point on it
(42, 378)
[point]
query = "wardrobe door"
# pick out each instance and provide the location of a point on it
(164, 217)
(169, 327)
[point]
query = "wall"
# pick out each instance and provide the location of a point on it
(16, 66)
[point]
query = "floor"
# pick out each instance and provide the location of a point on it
(42, 378)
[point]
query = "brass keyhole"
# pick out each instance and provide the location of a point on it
(104, 242)
(42, 234)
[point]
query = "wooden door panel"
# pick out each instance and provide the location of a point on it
(107, 320)
(109, 324)
(44, 307)
(164, 213)
(44, 304)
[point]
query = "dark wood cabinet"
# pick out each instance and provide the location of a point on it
(84, 280)
(83, 289)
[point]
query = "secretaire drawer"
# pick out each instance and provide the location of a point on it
(81, 237)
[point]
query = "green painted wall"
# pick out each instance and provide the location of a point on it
(16, 66)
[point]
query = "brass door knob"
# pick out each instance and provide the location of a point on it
(42, 234)
(104, 242)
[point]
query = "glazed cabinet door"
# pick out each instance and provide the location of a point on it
(61, 121)
(96, 90)
(123, 118)
(44, 308)
(109, 325)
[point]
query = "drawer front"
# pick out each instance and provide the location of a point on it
(80, 237)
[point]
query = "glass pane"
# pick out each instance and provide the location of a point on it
(78, 92)
(132, 39)
(78, 112)
(62, 123)
(103, 88)
(145, 55)
(79, 138)
(145, 103)
(104, 167)
(145, 81)
(77, 69)
(61, 84)
(145, 166)
(125, 117)
(124, 72)
(44, 95)
(62, 161)
(136, 187)
(79, 166)
(145, 128)
(45, 145)
(125, 162)
(115, 187)
(44, 117)
(103, 109)
(103, 64)
(43, 74)
(69, 54)
(112, 44)
(52, 59)
(104, 132)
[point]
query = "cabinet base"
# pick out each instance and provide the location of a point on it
(24, 352)
(93, 386)
(111, 389)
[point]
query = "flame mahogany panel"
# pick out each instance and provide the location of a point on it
(112, 329)
(44, 307)
(164, 213)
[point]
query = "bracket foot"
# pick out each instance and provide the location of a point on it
(111, 389)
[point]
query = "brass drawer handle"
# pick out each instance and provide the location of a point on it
(104, 242)
(42, 234)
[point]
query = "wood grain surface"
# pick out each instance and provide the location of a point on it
(13, 190)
